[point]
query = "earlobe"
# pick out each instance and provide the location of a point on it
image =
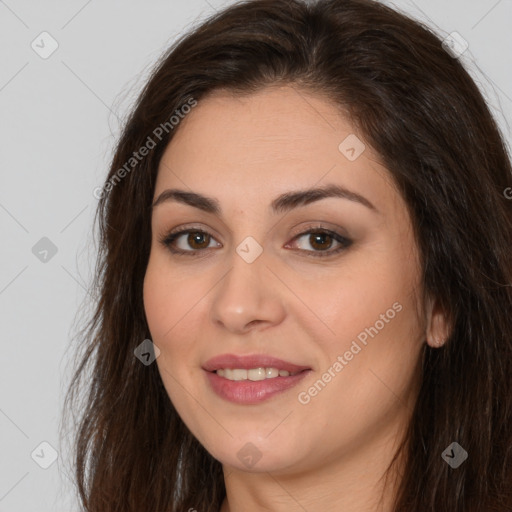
(437, 328)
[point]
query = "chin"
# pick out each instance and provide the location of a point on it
(257, 456)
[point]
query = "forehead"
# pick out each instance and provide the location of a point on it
(275, 123)
(266, 143)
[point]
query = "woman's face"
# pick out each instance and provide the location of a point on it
(341, 302)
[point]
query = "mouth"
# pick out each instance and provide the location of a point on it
(254, 374)
(251, 379)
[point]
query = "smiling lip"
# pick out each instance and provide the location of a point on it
(249, 392)
(250, 361)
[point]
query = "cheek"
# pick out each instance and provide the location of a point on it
(365, 292)
(168, 304)
(175, 304)
(375, 329)
(168, 297)
(175, 309)
(362, 389)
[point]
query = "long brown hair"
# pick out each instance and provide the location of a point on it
(419, 109)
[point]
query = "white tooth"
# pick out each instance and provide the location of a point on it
(271, 373)
(228, 373)
(253, 374)
(239, 374)
(256, 374)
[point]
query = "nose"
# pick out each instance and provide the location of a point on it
(249, 296)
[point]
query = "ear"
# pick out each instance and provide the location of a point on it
(437, 329)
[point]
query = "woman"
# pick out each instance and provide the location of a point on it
(304, 276)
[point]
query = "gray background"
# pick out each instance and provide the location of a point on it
(60, 118)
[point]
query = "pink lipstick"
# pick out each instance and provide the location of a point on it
(251, 379)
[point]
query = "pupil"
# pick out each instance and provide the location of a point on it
(196, 237)
(320, 236)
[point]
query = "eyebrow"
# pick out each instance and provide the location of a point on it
(283, 203)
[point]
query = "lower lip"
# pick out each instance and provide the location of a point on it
(252, 392)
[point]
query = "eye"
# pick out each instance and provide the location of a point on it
(198, 240)
(322, 240)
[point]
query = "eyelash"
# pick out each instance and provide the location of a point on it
(168, 239)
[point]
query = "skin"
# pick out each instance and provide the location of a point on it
(331, 453)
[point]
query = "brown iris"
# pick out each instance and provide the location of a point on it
(193, 236)
(320, 236)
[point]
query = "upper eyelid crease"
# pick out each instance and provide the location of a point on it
(283, 203)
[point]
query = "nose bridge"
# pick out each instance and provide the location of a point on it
(245, 295)
(246, 275)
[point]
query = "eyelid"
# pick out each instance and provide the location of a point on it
(343, 241)
(317, 226)
(168, 238)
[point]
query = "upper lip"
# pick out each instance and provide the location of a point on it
(247, 362)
